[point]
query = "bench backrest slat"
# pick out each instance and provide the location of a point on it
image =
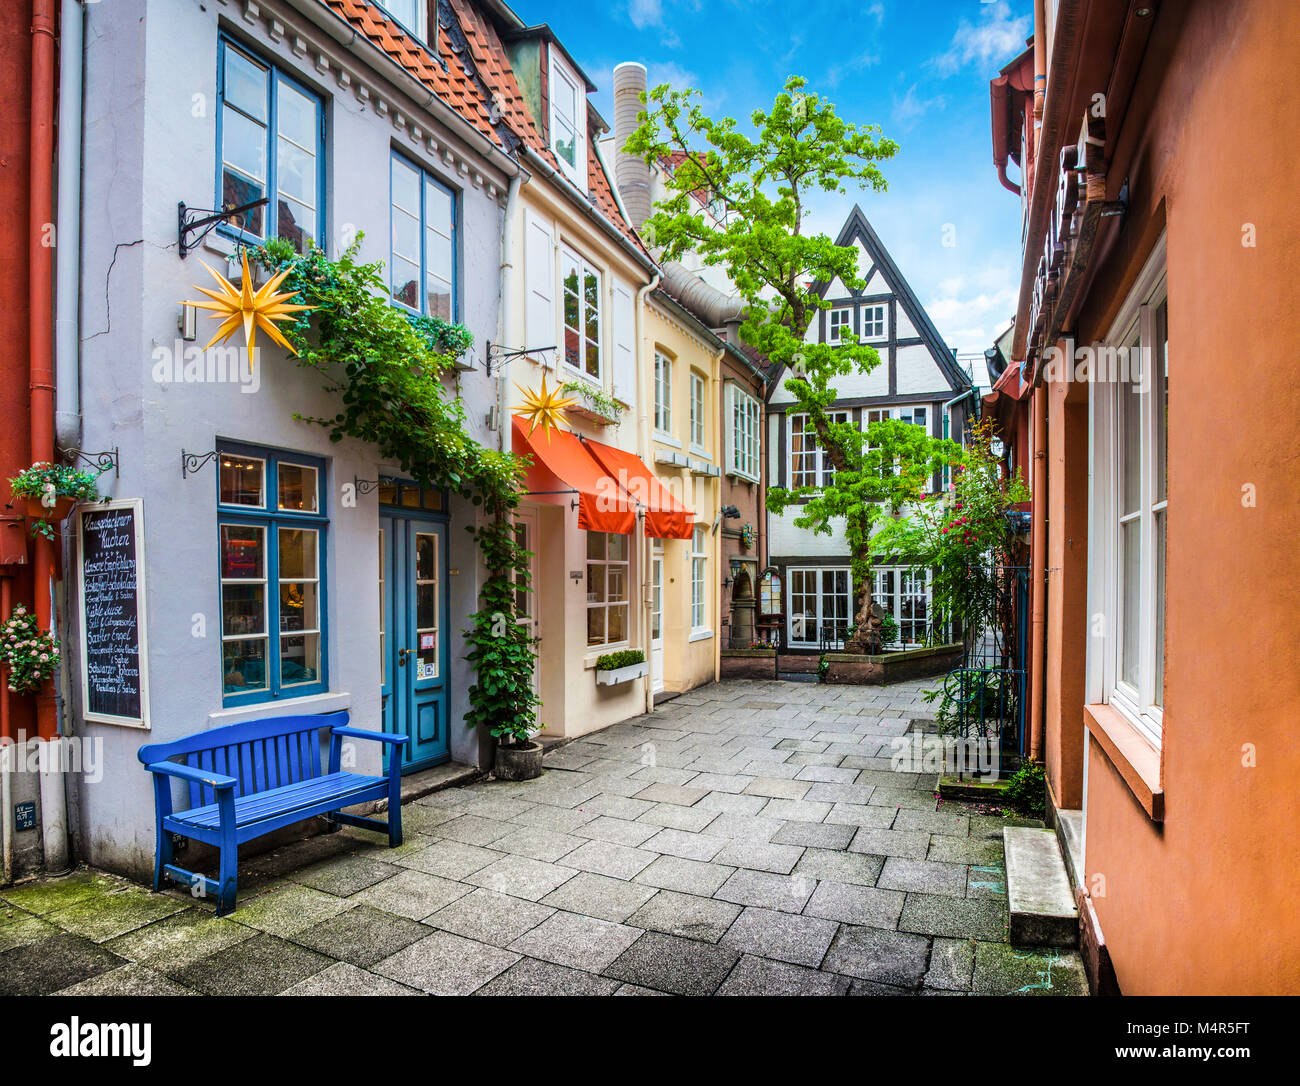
(260, 754)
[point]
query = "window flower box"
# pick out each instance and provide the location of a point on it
(617, 668)
(621, 674)
(593, 404)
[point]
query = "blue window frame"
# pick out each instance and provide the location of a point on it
(271, 527)
(270, 142)
(423, 217)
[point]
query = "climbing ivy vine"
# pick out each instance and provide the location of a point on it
(388, 372)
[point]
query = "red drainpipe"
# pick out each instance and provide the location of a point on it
(41, 313)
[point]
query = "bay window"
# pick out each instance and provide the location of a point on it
(271, 554)
(271, 143)
(743, 415)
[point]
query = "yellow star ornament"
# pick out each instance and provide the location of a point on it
(243, 307)
(545, 409)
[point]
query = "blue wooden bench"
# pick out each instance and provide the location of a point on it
(246, 780)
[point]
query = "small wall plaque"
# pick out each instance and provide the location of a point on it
(25, 816)
(576, 575)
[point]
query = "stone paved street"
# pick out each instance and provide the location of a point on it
(749, 838)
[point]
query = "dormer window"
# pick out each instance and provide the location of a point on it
(568, 120)
(413, 15)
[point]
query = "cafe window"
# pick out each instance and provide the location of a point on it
(607, 589)
(423, 226)
(271, 143)
(271, 552)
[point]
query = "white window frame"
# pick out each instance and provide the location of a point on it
(896, 411)
(904, 577)
(867, 320)
(625, 601)
(744, 449)
(822, 469)
(699, 401)
(841, 329)
(585, 267)
(418, 26)
(699, 582)
(791, 575)
(562, 76)
(663, 397)
(1139, 704)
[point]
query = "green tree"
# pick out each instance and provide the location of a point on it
(800, 149)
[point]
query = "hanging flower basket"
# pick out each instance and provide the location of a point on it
(32, 654)
(49, 492)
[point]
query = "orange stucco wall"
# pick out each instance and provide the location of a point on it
(1206, 902)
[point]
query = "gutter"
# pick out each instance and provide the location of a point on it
(585, 205)
(1047, 146)
(643, 443)
(346, 35)
(67, 267)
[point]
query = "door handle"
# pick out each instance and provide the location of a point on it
(401, 656)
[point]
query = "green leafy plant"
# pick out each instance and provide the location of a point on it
(613, 661)
(764, 186)
(597, 399)
(823, 668)
(888, 630)
(31, 654)
(47, 483)
(1027, 790)
(963, 536)
(392, 374)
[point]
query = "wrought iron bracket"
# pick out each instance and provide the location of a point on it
(505, 354)
(368, 486)
(193, 224)
(100, 461)
(195, 462)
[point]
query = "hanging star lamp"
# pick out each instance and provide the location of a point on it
(545, 408)
(243, 307)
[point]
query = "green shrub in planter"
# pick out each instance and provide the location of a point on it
(614, 661)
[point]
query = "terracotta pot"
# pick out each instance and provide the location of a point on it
(62, 507)
(518, 763)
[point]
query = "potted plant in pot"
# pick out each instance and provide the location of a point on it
(50, 491)
(620, 667)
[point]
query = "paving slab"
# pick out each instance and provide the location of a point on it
(488, 917)
(687, 915)
(923, 876)
(873, 954)
(788, 893)
(668, 963)
(446, 964)
(413, 894)
(843, 867)
(128, 980)
(344, 979)
(533, 977)
(580, 942)
(938, 914)
(754, 976)
(1002, 969)
(951, 963)
(260, 966)
(814, 835)
(53, 963)
(685, 876)
(520, 876)
(851, 904)
(769, 933)
(607, 858)
(601, 896)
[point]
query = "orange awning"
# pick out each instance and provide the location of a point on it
(665, 516)
(561, 466)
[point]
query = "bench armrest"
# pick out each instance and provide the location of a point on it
(217, 781)
(378, 737)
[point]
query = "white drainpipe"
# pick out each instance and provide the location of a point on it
(67, 257)
(7, 750)
(647, 547)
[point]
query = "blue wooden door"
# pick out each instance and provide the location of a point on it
(414, 654)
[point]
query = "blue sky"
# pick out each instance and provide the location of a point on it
(918, 68)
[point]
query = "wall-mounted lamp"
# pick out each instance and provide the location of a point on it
(730, 512)
(187, 323)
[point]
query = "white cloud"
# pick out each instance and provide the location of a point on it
(836, 73)
(991, 43)
(912, 107)
(645, 13)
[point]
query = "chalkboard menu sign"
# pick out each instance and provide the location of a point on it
(114, 676)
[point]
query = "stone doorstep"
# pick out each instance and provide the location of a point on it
(1069, 832)
(1043, 912)
(426, 782)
